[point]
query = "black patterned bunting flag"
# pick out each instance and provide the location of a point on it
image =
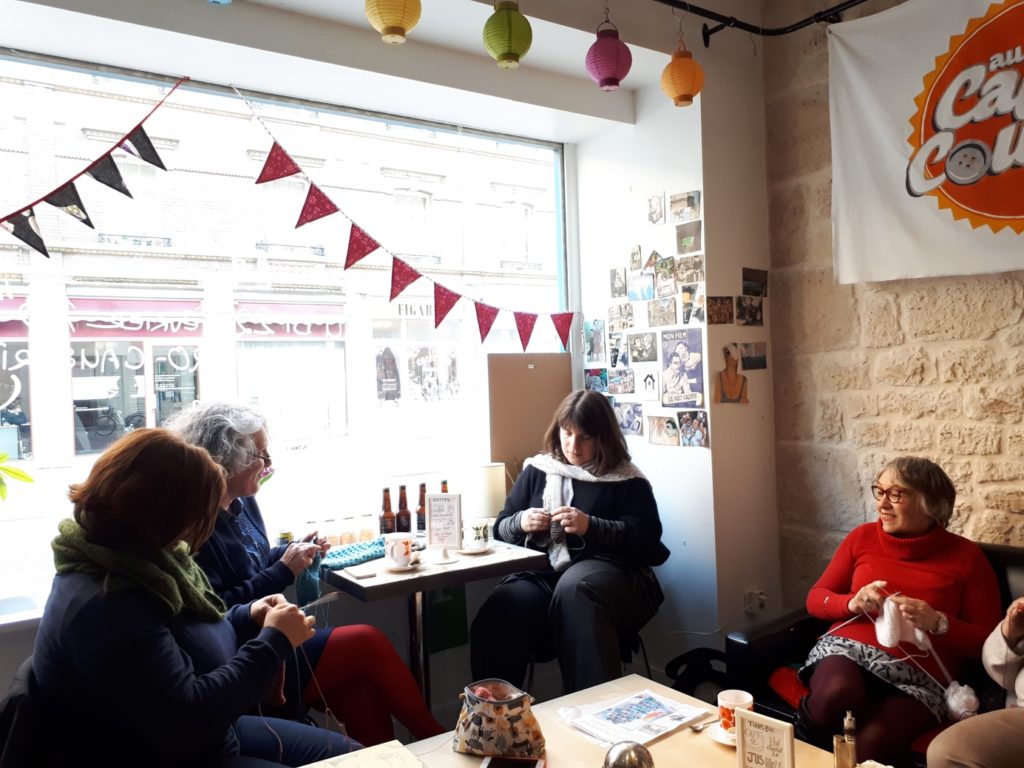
(137, 143)
(105, 171)
(68, 200)
(23, 226)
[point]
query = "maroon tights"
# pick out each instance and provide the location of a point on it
(364, 681)
(888, 720)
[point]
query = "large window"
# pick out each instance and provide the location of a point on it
(200, 285)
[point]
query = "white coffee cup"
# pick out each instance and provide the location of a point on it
(728, 702)
(397, 550)
(477, 533)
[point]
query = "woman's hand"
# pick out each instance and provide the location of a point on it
(313, 538)
(868, 598)
(573, 520)
(1013, 624)
(534, 519)
(299, 556)
(918, 612)
(258, 609)
(289, 619)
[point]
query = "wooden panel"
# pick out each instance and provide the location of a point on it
(524, 390)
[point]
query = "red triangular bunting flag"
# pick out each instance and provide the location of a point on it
(485, 315)
(137, 143)
(278, 165)
(444, 300)
(68, 200)
(359, 245)
(563, 324)
(525, 322)
(24, 227)
(105, 171)
(317, 206)
(402, 276)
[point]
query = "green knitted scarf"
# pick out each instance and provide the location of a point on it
(173, 577)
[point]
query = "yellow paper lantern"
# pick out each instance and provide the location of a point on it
(507, 34)
(682, 77)
(394, 19)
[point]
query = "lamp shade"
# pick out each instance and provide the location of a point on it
(507, 34)
(394, 19)
(682, 78)
(609, 59)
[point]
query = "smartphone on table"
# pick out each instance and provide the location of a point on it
(512, 762)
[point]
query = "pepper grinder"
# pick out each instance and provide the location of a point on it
(844, 747)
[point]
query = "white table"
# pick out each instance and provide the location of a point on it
(502, 559)
(567, 747)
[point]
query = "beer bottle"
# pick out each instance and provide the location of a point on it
(444, 486)
(421, 509)
(403, 520)
(387, 517)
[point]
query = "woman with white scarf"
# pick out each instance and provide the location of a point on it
(585, 503)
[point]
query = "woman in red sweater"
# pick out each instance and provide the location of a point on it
(941, 583)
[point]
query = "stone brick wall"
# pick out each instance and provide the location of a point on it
(862, 373)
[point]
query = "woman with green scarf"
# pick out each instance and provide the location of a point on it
(136, 661)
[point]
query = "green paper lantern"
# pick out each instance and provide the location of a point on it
(507, 34)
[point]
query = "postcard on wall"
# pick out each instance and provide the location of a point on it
(618, 283)
(593, 340)
(640, 285)
(682, 377)
(630, 417)
(662, 430)
(656, 208)
(643, 347)
(652, 258)
(597, 379)
(720, 310)
(754, 356)
(618, 352)
(665, 277)
(687, 293)
(693, 429)
(620, 318)
(690, 269)
(749, 310)
(444, 520)
(699, 313)
(646, 375)
(661, 312)
(621, 381)
(755, 282)
(636, 258)
(688, 237)
(762, 741)
(684, 206)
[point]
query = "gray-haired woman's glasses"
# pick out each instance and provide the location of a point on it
(894, 495)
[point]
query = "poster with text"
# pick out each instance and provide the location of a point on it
(682, 378)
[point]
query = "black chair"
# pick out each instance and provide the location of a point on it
(19, 744)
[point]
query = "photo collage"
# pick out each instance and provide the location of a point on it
(647, 354)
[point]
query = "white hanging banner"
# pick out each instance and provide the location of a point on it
(927, 109)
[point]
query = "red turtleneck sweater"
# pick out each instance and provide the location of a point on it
(947, 571)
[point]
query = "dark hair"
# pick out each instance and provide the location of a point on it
(591, 413)
(147, 491)
(928, 479)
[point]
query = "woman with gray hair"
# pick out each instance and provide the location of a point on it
(943, 599)
(353, 670)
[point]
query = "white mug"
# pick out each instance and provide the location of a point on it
(477, 534)
(397, 549)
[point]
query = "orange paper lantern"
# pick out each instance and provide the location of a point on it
(682, 78)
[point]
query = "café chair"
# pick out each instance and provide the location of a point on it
(18, 738)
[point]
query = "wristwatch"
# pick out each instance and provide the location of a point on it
(941, 626)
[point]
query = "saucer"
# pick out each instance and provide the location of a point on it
(722, 736)
(401, 568)
(483, 551)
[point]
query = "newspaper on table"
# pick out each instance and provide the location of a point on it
(641, 717)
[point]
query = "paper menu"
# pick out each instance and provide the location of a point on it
(641, 717)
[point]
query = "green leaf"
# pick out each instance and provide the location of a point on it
(15, 473)
(3, 489)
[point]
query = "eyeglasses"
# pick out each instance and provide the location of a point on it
(264, 457)
(894, 495)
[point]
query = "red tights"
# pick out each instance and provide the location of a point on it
(364, 682)
(888, 720)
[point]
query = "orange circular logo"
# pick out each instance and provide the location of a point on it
(968, 137)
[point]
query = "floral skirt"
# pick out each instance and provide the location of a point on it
(900, 674)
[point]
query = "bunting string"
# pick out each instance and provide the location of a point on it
(280, 164)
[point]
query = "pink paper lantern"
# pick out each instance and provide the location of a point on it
(609, 59)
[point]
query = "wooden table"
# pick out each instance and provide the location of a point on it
(567, 747)
(502, 559)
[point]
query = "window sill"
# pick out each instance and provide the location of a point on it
(19, 613)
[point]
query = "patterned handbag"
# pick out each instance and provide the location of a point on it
(496, 720)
